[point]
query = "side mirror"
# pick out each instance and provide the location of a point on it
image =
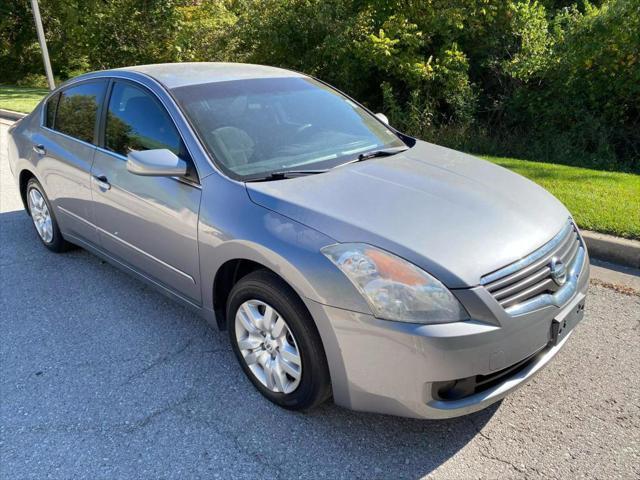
(156, 163)
(382, 117)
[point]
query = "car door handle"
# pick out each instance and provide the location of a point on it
(102, 182)
(39, 149)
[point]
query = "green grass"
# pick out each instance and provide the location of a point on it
(607, 202)
(20, 99)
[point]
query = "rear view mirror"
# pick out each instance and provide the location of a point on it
(382, 117)
(156, 163)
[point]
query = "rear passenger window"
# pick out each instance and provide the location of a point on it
(77, 110)
(50, 110)
(137, 121)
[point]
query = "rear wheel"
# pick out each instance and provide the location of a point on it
(276, 342)
(43, 218)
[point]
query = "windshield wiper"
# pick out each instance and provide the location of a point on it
(380, 153)
(286, 174)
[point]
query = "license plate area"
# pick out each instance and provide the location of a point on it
(560, 326)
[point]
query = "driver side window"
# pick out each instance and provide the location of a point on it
(137, 121)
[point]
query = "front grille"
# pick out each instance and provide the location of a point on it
(532, 276)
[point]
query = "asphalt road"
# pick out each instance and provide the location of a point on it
(102, 377)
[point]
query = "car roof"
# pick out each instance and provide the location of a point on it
(174, 75)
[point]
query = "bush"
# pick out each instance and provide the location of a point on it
(584, 101)
(552, 80)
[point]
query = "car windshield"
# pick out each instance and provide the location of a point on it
(260, 126)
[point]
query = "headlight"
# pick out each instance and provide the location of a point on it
(394, 288)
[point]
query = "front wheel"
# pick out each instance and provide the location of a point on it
(276, 342)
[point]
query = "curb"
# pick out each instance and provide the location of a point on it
(603, 247)
(612, 249)
(11, 115)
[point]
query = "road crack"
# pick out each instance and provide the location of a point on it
(147, 419)
(160, 360)
(485, 451)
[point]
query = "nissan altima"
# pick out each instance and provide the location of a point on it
(344, 258)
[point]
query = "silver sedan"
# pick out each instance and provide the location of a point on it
(344, 258)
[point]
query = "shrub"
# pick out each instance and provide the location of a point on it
(552, 79)
(584, 101)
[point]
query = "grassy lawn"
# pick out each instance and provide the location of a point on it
(20, 99)
(607, 202)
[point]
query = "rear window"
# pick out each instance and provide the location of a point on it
(77, 110)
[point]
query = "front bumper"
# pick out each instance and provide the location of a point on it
(395, 368)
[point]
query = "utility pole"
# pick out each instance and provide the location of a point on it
(43, 43)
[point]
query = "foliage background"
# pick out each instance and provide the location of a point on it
(551, 80)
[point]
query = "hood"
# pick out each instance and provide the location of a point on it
(454, 215)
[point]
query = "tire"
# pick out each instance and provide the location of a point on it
(50, 236)
(255, 292)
